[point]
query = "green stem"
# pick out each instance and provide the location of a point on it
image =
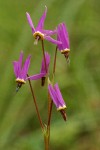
(50, 104)
(54, 65)
(46, 141)
(36, 106)
(50, 101)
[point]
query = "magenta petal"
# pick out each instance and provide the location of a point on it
(53, 95)
(19, 70)
(30, 22)
(65, 34)
(49, 32)
(56, 96)
(37, 76)
(47, 57)
(41, 21)
(26, 67)
(60, 46)
(62, 35)
(60, 98)
(52, 40)
(65, 38)
(16, 68)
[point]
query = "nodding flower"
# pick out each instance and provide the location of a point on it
(45, 66)
(21, 71)
(62, 35)
(57, 98)
(39, 33)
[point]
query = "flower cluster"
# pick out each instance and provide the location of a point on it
(39, 33)
(62, 45)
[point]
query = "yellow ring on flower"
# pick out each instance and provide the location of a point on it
(41, 36)
(65, 50)
(22, 81)
(60, 108)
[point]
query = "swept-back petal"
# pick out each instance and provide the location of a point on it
(36, 77)
(30, 22)
(52, 40)
(41, 21)
(60, 46)
(59, 96)
(65, 35)
(47, 57)
(53, 95)
(49, 32)
(62, 35)
(16, 68)
(26, 67)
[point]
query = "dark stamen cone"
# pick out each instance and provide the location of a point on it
(66, 54)
(18, 86)
(63, 113)
(43, 81)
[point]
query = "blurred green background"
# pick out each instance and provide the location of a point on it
(79, 82)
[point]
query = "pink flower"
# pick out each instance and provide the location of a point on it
(62, 36)
(21, 71)
(57, 98)
(39, 33)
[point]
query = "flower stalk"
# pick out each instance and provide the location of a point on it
(36, 106)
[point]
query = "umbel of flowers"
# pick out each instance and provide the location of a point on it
(22, 75)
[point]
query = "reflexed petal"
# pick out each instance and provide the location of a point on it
(36, 77)
(16, 68)
(60, 46)
(60, 98)
(53, 95)
(41, 21)
(49, 32)
(65, 33)
(47, 57)
(26, 67)
(56, 96)
(62, 36)
(52, 40)
(30, 22)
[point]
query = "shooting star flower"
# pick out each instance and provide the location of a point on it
(57, 98)
(22, 71)
(39, 33)
(62, 35)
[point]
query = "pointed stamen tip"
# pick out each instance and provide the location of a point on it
(18, 86)
(67, 58)
(63, 113)
(68, 61)
(17, 89)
